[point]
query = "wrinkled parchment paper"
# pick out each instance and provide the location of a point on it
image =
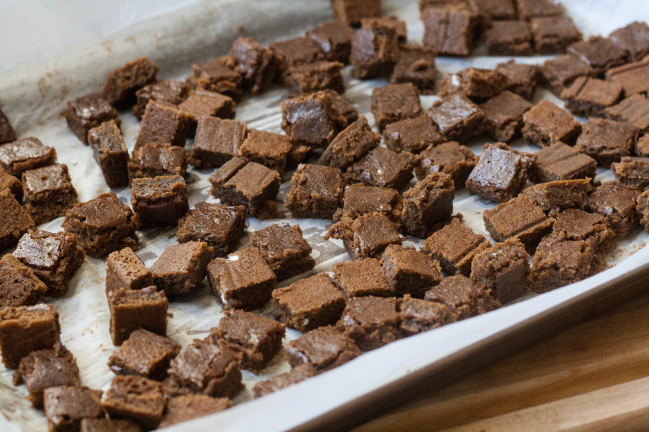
(82, 43)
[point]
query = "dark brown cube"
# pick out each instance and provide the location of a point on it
(633, 77)
(7, 133)
(217, 141)
(323, 349)
(122, 83)
(258, 65)
(606, 140)
(102, 225)
(633, 38)
(547, 124)
(475, 83)
(297, 374)
(53, 257)
(244, 280)
(166, 91)
(19, 286)
(205, 103)
(164, 124)
(159, 201)
(409, 271)
(505, 115)
(589, 97)
(43, 369)
(67, 406)
(420, 316)
(375, 51)
(561, 71)
(454, 246)
(16, 220)
(450, 158)
(458, 118)
(503, 269)
(395, 102)
(361, 278)
(145, 354)
(561, 162)
(576, 224)
(312, 77)
(359, 199)
(311, 120)
(250, 184)
(48, 192)
(259, 338)
(334, 39)
(294, 52)
(309, 303)
(152, 160)
(266, 148)
(463, 296)
(559, 195)
(450, 29)
(7, 181)
(135, 398)
(25, 154)
(632, 171)
(528, 9)
(87, 112)
(350, 145)
(617, 203)
(316, 191)
(191, 406)
(634, 109)
(218, 225)
(427, 203)
(208, 368)
(552, 35)
(125, 270)
(371, 322)
(600, 53)
(500, 173)
(522, 79)
(353, 11)
(181, 267)
(494, 9)
(109, 150)
(24, 329)
(367, 236)
(384, 167)
(509, 38)
(519, 218)
(130, 310)
(416, 65)
(218, 75)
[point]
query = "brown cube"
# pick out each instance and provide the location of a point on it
(500, 174)
(509, 38)
(145, 354)
(606, 140)
(503, 269)
(19, 286)
(125, 270)
(528, 9)
(323, 349)
(416, 65)
(122, 83)
(309, 303)
(454, 246)
(375, 51)
(266, 148)
(243, 280)
(311, 120)
(409, 271)
(297, 374)
(294, 52)
(218, 75)
(218, 225)
(559, 195)
(53, 257)
(258, 65)
(350, 145)
(164, 124)
(552, 35)
(87, 112)
(24, 329)
(420, 316)
(360, 199)
(208, 368)
(642, 208)
(463, 296)
(634, 110)
(202, 103)
(152, 160)
(450, 158)
(561, 162)
(449, 29)
(394, 102)
(188, 407)
(353, 11)
(7, 133)
(642, 146)
(48, 192)
(312, 77)
(505, 115)
(316, 191)
(547, 124)
(391, 22)
(257, 337)
(367, 236)
(15, 220)
(633, 77)
(284, 248)
(427, 203)
(475, 83)
(109, 150)
(159, 201)
(522, 79)
(25, 154)
(589, 97)
(371, 322)
(165, 91)
(67, 406)
(576, 224)
(334, 39)
(600, 53)
(632, 171)
(130, 310)
(617, 203)
(7, 181)
(384, 168)
(217, 141)
(361, 278)
(458, 118)
(181, 267)
(108, 425)
(135, 398)
(561, 71)
(494, 9)
(633, 38)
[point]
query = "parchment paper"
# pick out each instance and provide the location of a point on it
(35, 86)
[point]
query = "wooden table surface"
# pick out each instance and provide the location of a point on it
(591, 377)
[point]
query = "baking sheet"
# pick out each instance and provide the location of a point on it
(35, 86)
